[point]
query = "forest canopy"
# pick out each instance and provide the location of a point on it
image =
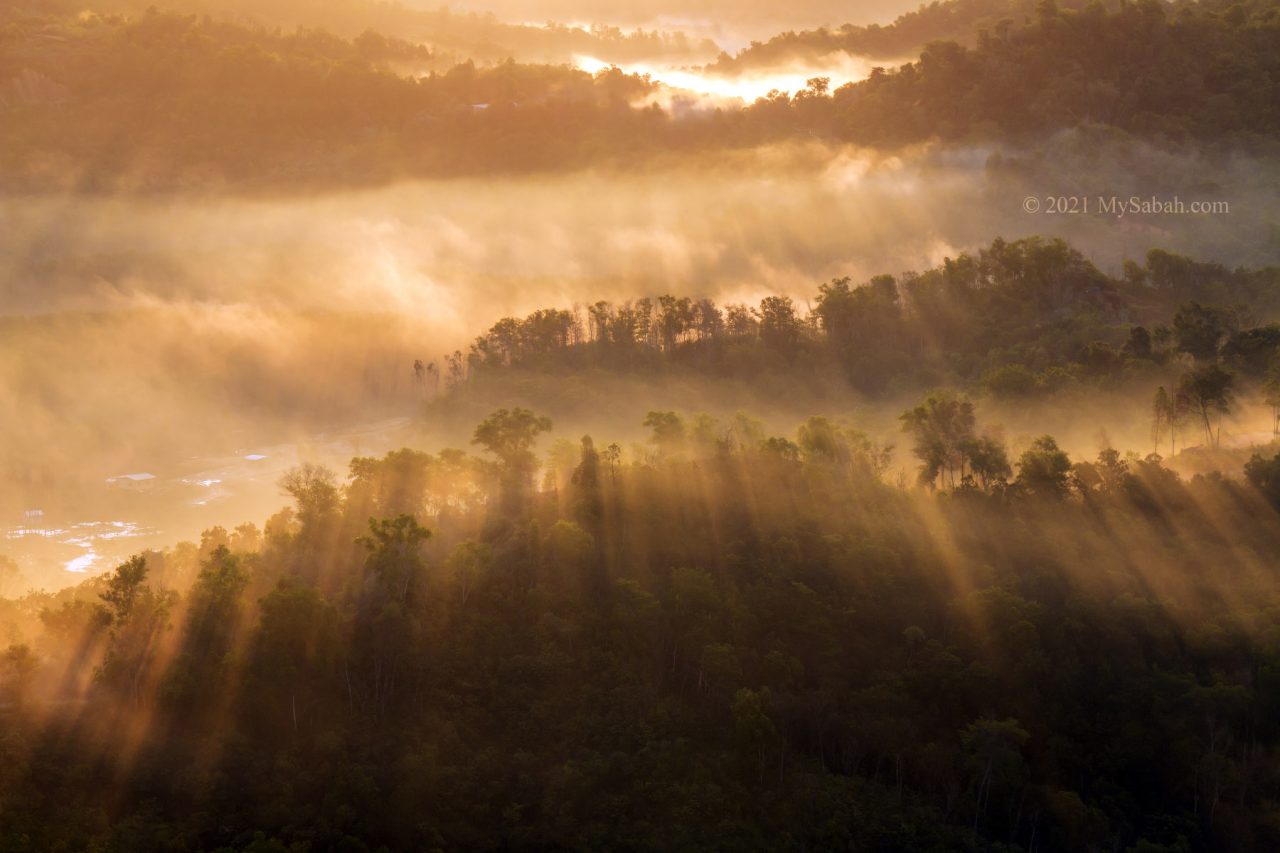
(744, 636)
(736, 637)
(165, 100)
(1017, 320)
(424, 429)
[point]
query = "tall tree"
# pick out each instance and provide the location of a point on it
(1201, 329)
(1271, 394)
(1209, 392)
(1044, 468)
(210, 629)
(1161, 406)
(510, 434)
(943, 429)
(779, 324)
(667, 433)
(136, 614)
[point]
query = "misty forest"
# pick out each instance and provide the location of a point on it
(639, 425)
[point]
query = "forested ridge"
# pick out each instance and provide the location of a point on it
(966, 22)
(1018, 320)
(959, 21)
(168, 101)
(575, 458)
(453, 35)
(722, 636)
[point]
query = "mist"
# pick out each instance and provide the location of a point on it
(732, 24)
(584, 425)
(147, 332)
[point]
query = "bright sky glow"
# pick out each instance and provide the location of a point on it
(840, 68)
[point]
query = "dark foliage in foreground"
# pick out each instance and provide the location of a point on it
(734, 641)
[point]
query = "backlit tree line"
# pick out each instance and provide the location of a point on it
(724, 635)
(1018, 320)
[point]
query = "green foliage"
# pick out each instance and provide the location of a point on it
(1264, 475)
(137, 614)
(943, 429)
(314, 490)
(1200, 330)
(509, 434)
(667, 432)
(123, 588)
(771, 649)
(1208, 390)
(1044, 469)
(210, 629)
(394, 560)
(1176, 69)
(1022, 319)
(234, 105)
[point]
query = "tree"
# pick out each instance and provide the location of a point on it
(18, 668)
(613, 458)
(570, 553)
(295, 650)
(988, 460)
(588, 506)
(823, 442)
(394, 560)
(136, 615)
(674, 318)
(1043, 469)
(1264, 475)
(466, 566)
(1200, 329)
(314, 489)
(1271, 394)
(708, 436)
(1108, 475)
(753, 728)
(995, 750)
(246, 539)
(1176, 417)
(124, 586)
(387, 626)
(1161, 415)
(1138, 344)
(667, 433)
(779, 324)
(509, 434)
(781, 449)
(211, 627)
(943, 430)
(1209, 391)
(392, 485)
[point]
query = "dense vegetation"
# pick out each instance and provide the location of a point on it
(721, 636)
(452, 35)
(1199, 69)
(163, 100)
(1019, 320)
(700, 631)
(724, 639)
(957, 21)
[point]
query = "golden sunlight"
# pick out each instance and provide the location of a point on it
(579, 425)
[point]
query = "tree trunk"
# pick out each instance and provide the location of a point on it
(982, 787)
